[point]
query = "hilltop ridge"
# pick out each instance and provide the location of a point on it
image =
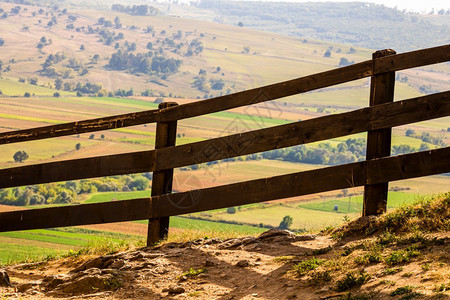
(400, 255)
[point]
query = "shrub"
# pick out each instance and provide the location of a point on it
(231, 210)
(304, 267)
(402, 290)
(352, 280)
(139, 183)
(20, 156)
(286, 222)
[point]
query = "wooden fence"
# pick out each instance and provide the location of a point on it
(374, 174)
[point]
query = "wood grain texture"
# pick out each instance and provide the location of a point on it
(412, 59)
(109, 165)
(166, 135)
(78, 127)
(331, 178)
(379, 140)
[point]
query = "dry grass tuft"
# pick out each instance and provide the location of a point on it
(426, 215)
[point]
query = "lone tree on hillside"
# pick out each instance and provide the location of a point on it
(231, 210)
(286, 222)
(20, 156)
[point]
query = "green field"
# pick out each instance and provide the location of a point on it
(14, 253)
(311, 215)
(111, 196)
(20, 246)
(211, 226)
(355, 203)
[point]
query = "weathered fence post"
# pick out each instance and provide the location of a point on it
(379, 141)
(158, 228)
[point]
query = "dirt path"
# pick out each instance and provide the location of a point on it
(246, 268)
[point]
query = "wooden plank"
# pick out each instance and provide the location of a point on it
(331, 178)
(412, 59)
(379, 140)
(253, 96)
(166, 135)
(313, 130)
(73, 215)
(269, 92)
(309, 182)
(78, 127)
(110, 165)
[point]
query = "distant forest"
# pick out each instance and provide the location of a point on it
(360, 24)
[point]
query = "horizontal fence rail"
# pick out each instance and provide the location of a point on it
(270, 92)
(313, 130)
(330, 178)
(374, 174)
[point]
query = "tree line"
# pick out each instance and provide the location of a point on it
(138, 10)
(352, 150)
(66, 192)
(145, 63)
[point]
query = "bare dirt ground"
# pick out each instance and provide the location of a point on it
(245, 268)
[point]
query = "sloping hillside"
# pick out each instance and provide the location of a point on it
(96, 51)
(59, 47)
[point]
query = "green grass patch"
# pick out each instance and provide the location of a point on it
(77, 237)
(111, 196)
(391, 271)
(355, 203)
(15, 253)
(84, 241)
(407, 289)
(193, 272)
(41, 149)
(185, 223)
(134, 131)
(410, 141)
(210, 226)
(306, 266)
(47, 236)
(33, 119)
(401, 256)
(302, 218)
(351, 280)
